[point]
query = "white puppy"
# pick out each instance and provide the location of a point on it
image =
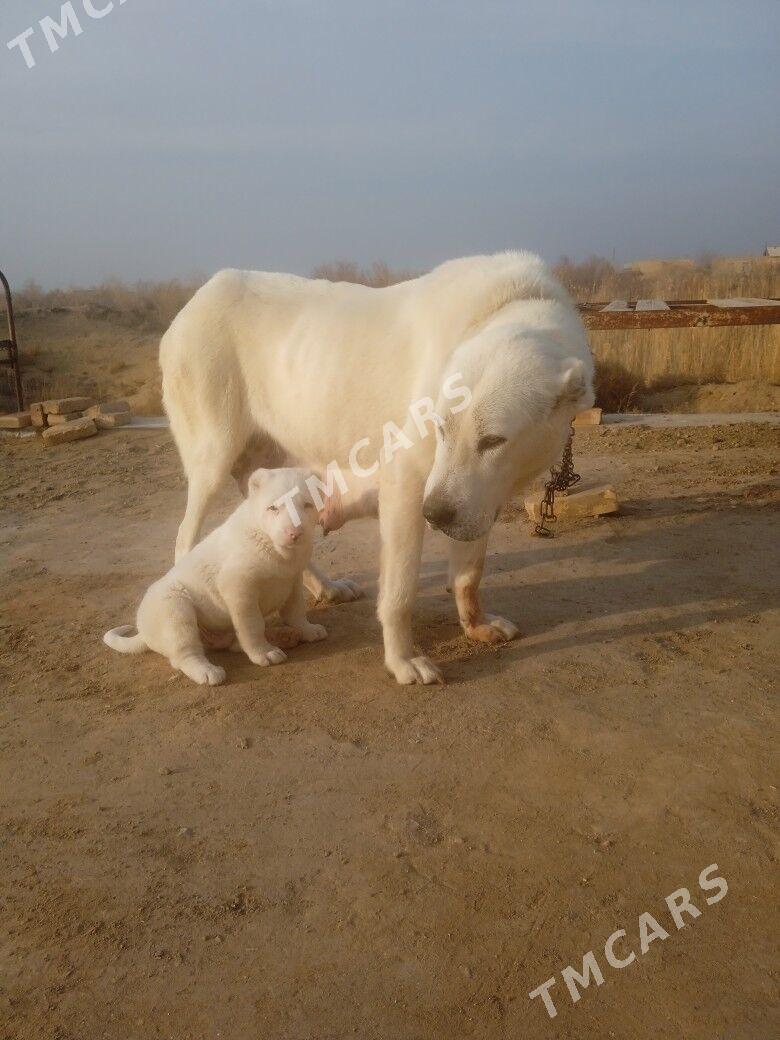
(222, 590)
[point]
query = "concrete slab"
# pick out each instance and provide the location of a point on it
(672, 419)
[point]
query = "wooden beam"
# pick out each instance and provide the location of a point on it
(681, 315)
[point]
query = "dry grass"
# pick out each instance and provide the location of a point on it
(145, 306)
(632, 365)
(707, 277)
(103, 340)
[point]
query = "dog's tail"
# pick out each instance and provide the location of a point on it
(125, 640)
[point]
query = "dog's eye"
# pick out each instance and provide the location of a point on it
(489, 442)
(308, 505)
(273, 509)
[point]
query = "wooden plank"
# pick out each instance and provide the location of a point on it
(651, 305)
(617, 305)
(703, 315)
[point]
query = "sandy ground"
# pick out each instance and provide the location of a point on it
(314, 853)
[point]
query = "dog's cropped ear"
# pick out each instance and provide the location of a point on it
(331, 513)
(575, 389)
(256, 481)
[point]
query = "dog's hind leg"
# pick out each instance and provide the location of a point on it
(361, 500)
(210, 423)
(205, 477)
(467, 562)
(330, 590)
(176, 636)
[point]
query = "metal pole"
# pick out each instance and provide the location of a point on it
(13, 348)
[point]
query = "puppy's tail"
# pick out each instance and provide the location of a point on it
(125, 640)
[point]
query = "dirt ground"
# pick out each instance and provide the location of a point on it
(744, 396)
(66, 353)
(312, 852)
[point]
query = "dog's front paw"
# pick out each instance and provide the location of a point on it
(313, 633)
(493, 629)
(273, 655)
(205, 673)
(340, 590)
(410, 670)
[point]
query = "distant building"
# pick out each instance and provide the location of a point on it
(772, 251)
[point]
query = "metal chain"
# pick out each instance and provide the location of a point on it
(561, 479)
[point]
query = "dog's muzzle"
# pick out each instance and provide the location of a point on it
(439, 513)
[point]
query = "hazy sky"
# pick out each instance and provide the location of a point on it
(174, 137)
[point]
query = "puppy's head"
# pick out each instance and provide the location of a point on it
(513, 426)
(284, 508)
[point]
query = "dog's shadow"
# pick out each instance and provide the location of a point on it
(658, 579)
(642, 581)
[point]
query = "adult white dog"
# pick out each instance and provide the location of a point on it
(274, 369)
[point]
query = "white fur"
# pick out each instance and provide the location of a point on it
(224, 588)
(301, 370)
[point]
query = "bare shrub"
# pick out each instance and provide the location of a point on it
(615, 386)
(598, 279)
(707, 277)
(378, 275)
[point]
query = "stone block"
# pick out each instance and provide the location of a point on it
(590, 417)
(75, 430)
(67, 405)
(107, 408)
(57, 420)
(111, 420)
(600, 500)
(15, 421)
(38, 416)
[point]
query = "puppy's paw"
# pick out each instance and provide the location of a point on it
(206, 674)
(493, 630)
(340, 590)
(313, 633)
(216, 675)
(273, 655)
(410, 670)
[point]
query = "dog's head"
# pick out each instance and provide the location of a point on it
(513, 425)
(284, 508)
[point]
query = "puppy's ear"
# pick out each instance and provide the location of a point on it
(575, 389)
(256, 481)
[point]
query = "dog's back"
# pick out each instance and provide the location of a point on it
(312, 366)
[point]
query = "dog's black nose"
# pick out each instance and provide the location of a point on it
(438, 512)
